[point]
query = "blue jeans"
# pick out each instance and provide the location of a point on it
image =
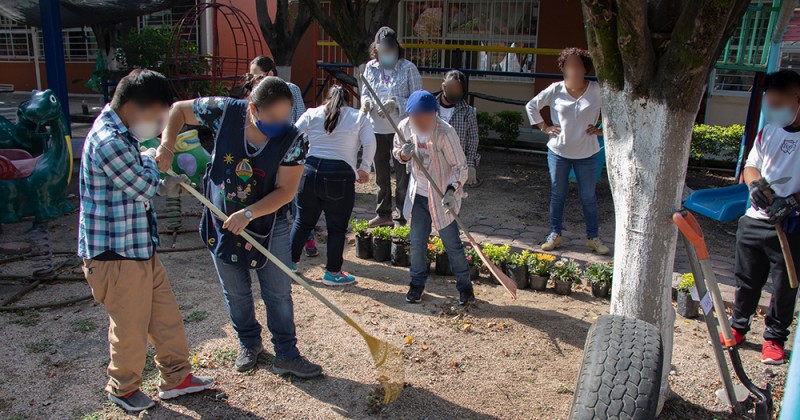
(328, 185)
(586, 175)
(276, 291)
(420, 232)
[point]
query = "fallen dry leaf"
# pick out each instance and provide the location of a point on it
(409, 340)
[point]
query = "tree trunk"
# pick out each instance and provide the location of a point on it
(284, 72)
(648, 153)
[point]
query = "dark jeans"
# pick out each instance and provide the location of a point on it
(276, 291)
(383, 170)
(451, 239)
(586, 175)
(759, 257)
(327, 185)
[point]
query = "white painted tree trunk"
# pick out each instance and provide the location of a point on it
(647, 145)
(285, 72)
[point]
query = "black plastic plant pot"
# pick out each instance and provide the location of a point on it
(382, 249)
(364, 247)
(687, 307)
(538, 282)
(442, 265)
(474, 272)
(494, 279)
(519, 275)
(601, 290)
(563, 287)
(400, 256)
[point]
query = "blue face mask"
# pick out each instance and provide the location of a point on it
(781, 117)
(272, 129)
(387, 60)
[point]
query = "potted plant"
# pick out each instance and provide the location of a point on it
(565, 273)
(442, 263)
(498, 255)
(599, 276)
(687, 307)
(382, 243)
(539, 270)
(430, 253)
(363, 238)
(474, 261)
(400, 246)
(517, 268)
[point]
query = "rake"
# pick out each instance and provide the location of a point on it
(508, 284)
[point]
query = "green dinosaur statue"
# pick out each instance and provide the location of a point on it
(35, 184)
(190, 157)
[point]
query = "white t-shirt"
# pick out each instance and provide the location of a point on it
(352, 131)
(423, 186)
(384, 90)
(775, 155)
(446, 113)
(573, 115)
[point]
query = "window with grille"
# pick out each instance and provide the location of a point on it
(731, 82)
(15, 41)
(475, 23)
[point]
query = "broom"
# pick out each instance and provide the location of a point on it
(508, 284)
(388, 359)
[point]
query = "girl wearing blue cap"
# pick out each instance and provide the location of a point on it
(439, 148)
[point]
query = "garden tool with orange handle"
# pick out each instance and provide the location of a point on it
(714, 307)
(508, 284)
(765, 188)
(387, 358)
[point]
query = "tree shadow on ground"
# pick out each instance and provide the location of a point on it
(204, 404)
(677, 408)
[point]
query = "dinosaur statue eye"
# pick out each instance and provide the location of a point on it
(53, 99)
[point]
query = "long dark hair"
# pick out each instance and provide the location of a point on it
(265, 64)
(268, 91)
(337, 98)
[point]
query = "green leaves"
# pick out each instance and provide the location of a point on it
(715, 140)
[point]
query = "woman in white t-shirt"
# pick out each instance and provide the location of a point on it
(574, 109)
(335, 133)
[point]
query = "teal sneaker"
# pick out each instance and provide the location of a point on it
(295, 267)
(337, 279)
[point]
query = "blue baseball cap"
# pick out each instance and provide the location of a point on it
(421, 102)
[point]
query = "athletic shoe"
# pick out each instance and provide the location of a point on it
(295, 267)
(414, 294)
(381, 221)
(248, 358)
(738, 338)
(596, 245)
(299, 366)
(552, 242)
(132, 401)
(465, 297)
(311, 248)
(337, 279)
(190, 385)
(772, 353)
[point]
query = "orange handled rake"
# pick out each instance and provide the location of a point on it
(507, 283)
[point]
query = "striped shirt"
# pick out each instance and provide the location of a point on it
(447, 165)
(116, 186)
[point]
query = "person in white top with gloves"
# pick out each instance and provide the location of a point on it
(574, 109)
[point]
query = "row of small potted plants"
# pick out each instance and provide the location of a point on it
(527, 269)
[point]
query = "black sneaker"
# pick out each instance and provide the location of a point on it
(299, 366)
(248, 358)
(466, 297)
(134, 401)
(414, 294)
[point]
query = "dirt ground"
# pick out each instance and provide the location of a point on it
(494, 360)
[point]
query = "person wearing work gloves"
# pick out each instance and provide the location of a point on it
(454, 110)
(437, 145)
(117, 238)
(759, 256)
(394, 79)
(574, 109)
(253, 175)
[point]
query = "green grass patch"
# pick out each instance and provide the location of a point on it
(26, 320)
(195, 316)
(41, 346)
(83, 325)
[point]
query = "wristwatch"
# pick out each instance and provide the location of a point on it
(248, 214)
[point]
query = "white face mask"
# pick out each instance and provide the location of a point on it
(144, 131)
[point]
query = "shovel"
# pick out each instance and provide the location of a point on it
(508, 284)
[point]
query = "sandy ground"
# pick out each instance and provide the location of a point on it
(494, 360)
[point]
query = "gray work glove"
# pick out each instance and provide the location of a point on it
(170, 186)
(449, 200)
(390, 106)
(366, 106)
(407, 150)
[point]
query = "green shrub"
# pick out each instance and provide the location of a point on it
(382, 232)
(519, 259)
(716, 140)
(686, 283)
(507, 125)
(599, 273)
(498, 254)
(485, 124)
(360, 227)
(401, 233)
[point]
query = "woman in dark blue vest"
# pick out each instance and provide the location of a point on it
(253, 175)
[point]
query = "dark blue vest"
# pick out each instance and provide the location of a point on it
(235, 179)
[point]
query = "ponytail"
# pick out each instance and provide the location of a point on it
(337, 98)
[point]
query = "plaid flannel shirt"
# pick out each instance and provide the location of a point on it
(465, 122)
(406, 80)
(298, 105)
(116, 185)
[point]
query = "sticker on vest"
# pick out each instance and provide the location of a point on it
(228, 158)
(247, 246)
(234, 258)
(211, 241)
(253, 263)
(244, 170)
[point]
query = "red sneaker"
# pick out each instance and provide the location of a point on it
(189, 385)
(737, 338)
(772, 353)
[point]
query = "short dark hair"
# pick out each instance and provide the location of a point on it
(783, 81)
(458, 76)
(584, 55)
(268, 91)
(143, 87)
(265, 64)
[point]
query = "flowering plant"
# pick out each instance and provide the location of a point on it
(519, 259)
(539, 264)
(599, 273)
(566, 270)
(473, 259)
